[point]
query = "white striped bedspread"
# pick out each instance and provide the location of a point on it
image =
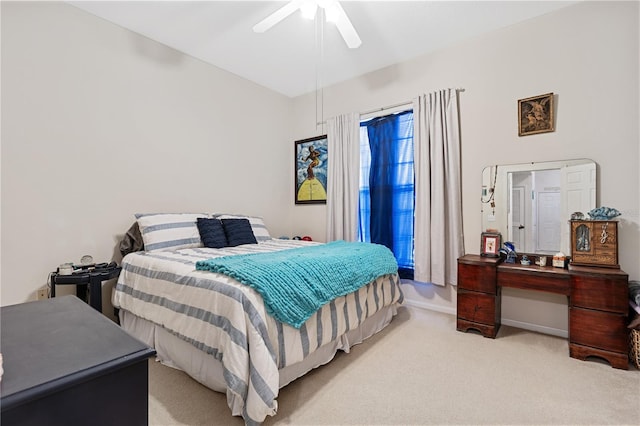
(228, 320)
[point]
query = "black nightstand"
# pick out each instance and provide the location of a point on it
(92, 279)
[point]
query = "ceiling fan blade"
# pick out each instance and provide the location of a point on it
(277, 16)
(346, 28)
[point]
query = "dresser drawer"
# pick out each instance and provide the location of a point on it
(477, 277)
(477, 307)
(598, 329)
(607, 294)
(534, 278)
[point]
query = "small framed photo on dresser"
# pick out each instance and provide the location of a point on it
(490, 243)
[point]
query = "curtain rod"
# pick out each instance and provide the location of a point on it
(386, 108)
(406, 103)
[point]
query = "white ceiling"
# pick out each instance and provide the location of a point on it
(287, 57)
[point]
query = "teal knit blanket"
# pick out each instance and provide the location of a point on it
(295, 283)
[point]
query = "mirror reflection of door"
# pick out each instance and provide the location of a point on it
(517, 219)
(522, 215)
(534, 217)
(548, 233)
(578, 194)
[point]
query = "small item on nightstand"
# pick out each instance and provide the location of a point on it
(65, 269)
(509, 250)
(594, 242)
(542, 261)
(558, 260)
(603, 213)
(525, 260)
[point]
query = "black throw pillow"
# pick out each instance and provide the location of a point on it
(238, 231)
(211, 232)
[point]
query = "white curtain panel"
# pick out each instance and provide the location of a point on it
(438, 210)
(343, 171)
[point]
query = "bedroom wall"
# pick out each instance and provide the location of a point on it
(587, 54)
(99, 123)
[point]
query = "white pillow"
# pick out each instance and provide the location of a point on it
(258, 227)
(169, 231)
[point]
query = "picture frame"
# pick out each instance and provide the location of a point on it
(490, 243)
(536, 115)
(311, 160)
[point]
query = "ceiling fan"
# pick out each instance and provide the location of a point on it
(333, 12)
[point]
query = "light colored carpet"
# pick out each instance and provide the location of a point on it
(420, 370)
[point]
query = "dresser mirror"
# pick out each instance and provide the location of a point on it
(530, 204)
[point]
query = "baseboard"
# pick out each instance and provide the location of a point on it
(535, 327)
(512, 323)
(430, 307)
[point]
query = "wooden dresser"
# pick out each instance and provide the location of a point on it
(597, 300)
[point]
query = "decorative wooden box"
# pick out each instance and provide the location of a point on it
(594, 243)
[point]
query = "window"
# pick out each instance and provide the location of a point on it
(387, 200)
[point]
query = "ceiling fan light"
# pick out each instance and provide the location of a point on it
(308, 9)
(335, 13)
(332, 12)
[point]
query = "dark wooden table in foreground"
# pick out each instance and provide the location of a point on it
(67, 364)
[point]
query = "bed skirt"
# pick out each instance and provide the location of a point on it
(175, 352)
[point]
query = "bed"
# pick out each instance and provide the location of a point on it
(219, 331)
